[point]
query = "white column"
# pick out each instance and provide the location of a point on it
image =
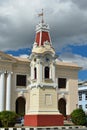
(39, 72)
(50, 72)
(53, 72)
(32, 71)
(8, 92)
(2, 91)
(38, 75)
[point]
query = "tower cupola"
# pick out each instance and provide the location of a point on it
(42, 34)
(42, 42)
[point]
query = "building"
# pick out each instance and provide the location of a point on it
(82, 93)
(22, 79)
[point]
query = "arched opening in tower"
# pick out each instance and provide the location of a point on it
(62, 106)
(20, 105)
(47, 72)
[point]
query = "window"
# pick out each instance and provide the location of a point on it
(86, 106)
(21, 80)
(80, 96)
(61, 83)
(46, 72)
(35, 73)
(86, 96)
(80, 106)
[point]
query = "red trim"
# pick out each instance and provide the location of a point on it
(43, 120)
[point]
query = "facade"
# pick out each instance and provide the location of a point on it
(40, 84)
(82, 93)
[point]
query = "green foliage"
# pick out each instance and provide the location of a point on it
(8, 118)
(78, 117)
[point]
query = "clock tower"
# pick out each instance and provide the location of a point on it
(43, 94)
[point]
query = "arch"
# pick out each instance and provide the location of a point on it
(20, 105)
(46, 72)
(62, 106)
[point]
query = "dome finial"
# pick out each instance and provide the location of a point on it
(41, 15)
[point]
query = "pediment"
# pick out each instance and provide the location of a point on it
(6, 57)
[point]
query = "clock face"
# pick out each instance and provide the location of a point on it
(47, 59)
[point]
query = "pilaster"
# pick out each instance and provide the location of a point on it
(32, 71)
(39, 71)
(2, 91)
(53, 72)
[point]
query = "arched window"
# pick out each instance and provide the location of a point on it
(35, 73)
(46, 72)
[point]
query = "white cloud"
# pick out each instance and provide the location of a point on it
(18, 18)
(80, 60)
(24, 56)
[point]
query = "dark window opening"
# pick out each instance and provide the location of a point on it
(35, 73)
(80, 96)
(61, 83)
(46, 72)
(62, 106)
(21, 80)
(20, 105)
(86, 96)
(80, 106)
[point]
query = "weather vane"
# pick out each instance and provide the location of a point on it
(41, 15)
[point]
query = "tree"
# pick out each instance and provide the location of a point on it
(8, 118)
(78, 117)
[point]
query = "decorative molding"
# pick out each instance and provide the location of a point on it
(42, 85)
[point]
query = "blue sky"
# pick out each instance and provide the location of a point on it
(22, 51)
(68, 28)
(80, 50)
